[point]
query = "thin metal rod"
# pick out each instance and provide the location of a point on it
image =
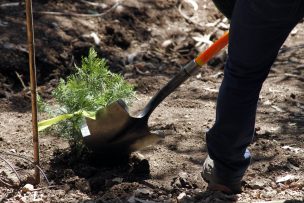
(33, 87)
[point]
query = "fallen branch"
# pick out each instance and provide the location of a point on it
(78, 14)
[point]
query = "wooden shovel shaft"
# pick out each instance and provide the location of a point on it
(212, 50)
(32, 66)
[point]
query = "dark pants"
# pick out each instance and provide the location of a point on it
(258, 30)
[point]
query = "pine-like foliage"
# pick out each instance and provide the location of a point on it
(90, 88)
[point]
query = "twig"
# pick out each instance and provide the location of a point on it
(211, 90)
(6, 184)
(141, 72)
(294, 76)
(4, 197)
(12, 167)
(300, 67)
(42, 188)
(79, 14)
(93, 3)
(10, 4)
(22, 83)
(214, 24)
(187, 17)
(22, 157)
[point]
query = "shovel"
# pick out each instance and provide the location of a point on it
(115, 131)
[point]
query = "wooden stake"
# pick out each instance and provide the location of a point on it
(33, 87)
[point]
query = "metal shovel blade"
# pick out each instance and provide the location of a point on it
(115, 131)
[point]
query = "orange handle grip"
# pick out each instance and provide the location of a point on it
(217, 46)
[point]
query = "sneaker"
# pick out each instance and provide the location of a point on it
(214, 183)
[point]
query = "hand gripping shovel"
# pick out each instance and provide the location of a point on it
(114, 131)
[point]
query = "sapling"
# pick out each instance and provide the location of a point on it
(91, 87)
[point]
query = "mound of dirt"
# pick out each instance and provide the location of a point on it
(147, 42)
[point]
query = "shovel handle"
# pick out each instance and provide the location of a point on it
(188, 70)
(218, 45)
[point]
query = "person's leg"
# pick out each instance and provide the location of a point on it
(258, 30)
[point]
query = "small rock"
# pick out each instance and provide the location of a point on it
(166, 43)
(257, 184)
(120, 9)
(288, 177)
(27, 188)
(294, 32)
(12, 151)
(181, 196)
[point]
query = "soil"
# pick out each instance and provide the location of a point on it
(147, 42)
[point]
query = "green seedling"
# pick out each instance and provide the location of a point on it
(90, 88)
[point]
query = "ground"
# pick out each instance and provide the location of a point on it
(147, 42)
